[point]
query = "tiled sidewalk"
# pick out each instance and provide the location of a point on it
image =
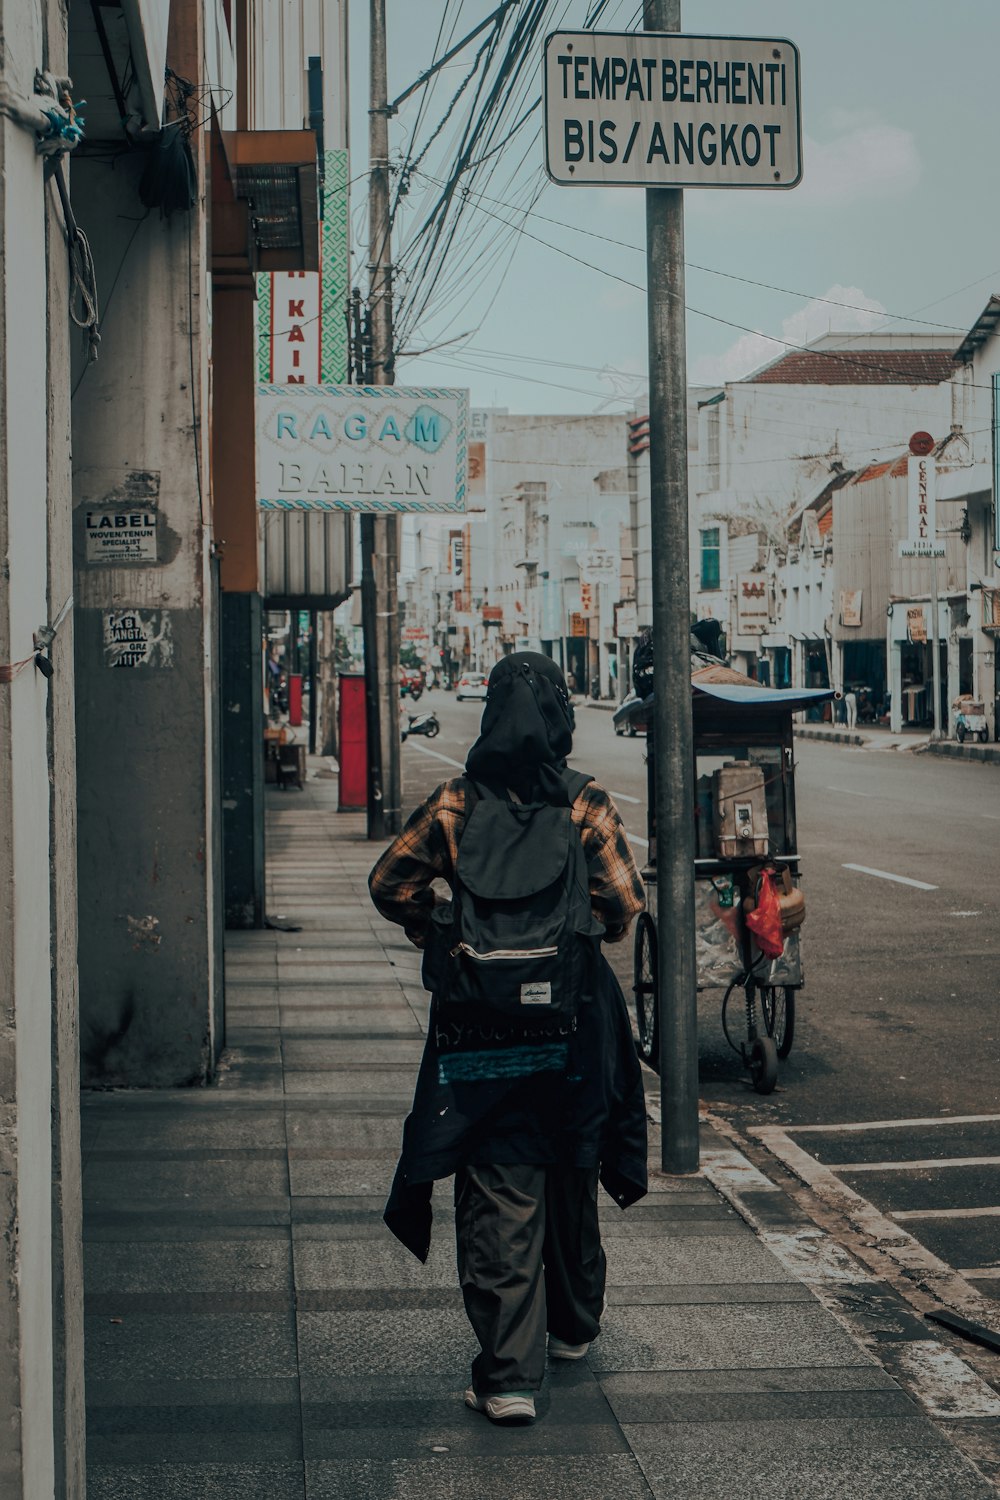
(254, 1332)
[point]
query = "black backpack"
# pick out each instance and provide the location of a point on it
(515, 949)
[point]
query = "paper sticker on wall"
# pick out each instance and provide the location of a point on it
(138, 638)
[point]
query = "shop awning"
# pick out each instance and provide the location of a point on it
(267, 216)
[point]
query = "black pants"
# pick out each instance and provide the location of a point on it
(530, 1262)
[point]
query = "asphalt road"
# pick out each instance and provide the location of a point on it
(899, 1019)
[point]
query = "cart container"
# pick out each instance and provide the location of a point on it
(739, 809)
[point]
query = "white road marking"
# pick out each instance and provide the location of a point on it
(624, 797)
(893, 1124)
(945, 1384)
(637, 838)
(426, 750)
(921, 885)
(947, 1213)
(847, 792)
(929, 1164)
(731, 1169)
(965, 914)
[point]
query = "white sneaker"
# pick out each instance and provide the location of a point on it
(558, 1349)
(510, 1406)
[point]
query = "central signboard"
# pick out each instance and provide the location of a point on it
(379, 449)
(921, 539)
(661, 109)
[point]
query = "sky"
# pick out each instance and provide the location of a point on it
(895, 225)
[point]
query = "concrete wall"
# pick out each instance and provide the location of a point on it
(581, 461)
(41, 1367)
(984, 556)
(766, 448)
(145, 732)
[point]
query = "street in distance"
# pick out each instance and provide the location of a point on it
(661, 109)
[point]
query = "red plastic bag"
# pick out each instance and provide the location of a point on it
(765, 920)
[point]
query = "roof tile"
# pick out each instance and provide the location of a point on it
(858, 367)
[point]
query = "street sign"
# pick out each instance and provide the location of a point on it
(661, 109)
(627, 621)
(597, 565)
(752, 613)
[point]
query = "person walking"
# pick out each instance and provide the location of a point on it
(851, 708)
(529, 1088)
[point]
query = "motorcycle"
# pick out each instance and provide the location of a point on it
(425, 724)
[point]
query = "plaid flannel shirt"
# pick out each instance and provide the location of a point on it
(427, 850)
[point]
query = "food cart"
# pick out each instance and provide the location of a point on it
(745, 825)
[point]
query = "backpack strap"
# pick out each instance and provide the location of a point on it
(473, 794)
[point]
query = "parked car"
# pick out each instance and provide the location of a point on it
(623, 724)
(471, 685)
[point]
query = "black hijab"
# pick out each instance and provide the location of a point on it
(527, 730)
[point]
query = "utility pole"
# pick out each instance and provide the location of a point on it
(380, 535)
(673, 735)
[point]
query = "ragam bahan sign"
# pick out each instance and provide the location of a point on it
(378, 449)
(661, 109)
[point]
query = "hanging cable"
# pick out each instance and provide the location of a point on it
(84, 309)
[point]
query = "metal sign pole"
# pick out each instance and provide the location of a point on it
(380, 534)
(935, 647)
(673, 735)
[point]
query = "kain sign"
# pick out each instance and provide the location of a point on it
(658, 109)
(380, 449)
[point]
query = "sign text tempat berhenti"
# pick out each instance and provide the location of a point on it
(661, 109)
(115, 536)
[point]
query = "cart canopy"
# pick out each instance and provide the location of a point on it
(742, 698)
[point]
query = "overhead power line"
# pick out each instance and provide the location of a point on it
(857, 361)
(693, 265)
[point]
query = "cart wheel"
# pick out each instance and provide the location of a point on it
(777, 1003)
(763, 1059)
(960, 733)
(644, 986)
(984, 735)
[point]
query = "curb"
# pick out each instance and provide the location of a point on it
(990, 754)
(963, 1406)
(835, 736)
